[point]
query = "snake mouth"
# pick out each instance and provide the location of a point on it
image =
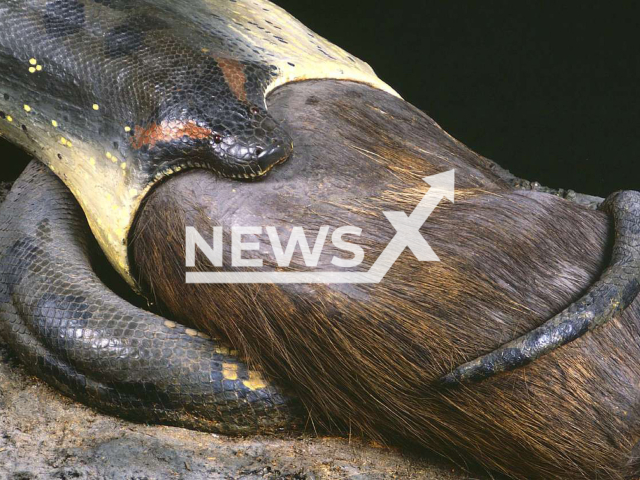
(261, 161)
(272, 156)
(253, 162)
(266, 161)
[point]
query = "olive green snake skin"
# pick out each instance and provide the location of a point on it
(68, 328)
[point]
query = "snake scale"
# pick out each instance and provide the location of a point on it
(79, 336)
(115, 95)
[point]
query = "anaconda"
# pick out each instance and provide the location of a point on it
(115, 95)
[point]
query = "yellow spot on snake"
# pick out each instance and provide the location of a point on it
(32, 69)
(27, 107)
(255, 381)
(54, 123)
(63, 140)
(92, 161)
(191, 332)
(222, 350)
(133, 192)
(229, 371)
(96, 106)
(109, 156)
(9, 118)
(123, 165)
(127, 129)
(33, 61)
(204, 335)
(38, 67)
(170, 324)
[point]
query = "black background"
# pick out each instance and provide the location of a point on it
(550, 90)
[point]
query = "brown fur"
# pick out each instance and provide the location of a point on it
(367, 357)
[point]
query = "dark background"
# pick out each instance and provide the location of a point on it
(550, 90)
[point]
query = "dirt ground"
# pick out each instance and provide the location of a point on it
(44, 435)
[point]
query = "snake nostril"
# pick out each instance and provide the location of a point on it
(259, 151)
(254, 110)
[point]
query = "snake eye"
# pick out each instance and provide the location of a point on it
(254, 110)
(217, 138)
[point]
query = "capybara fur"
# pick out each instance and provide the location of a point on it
(367, 357)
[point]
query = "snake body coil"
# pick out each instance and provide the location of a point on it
(71, 330)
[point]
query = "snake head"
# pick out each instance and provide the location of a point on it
(249, 144)
(240, 143)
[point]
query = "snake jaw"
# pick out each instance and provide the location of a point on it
(240, 172)
(252, 162)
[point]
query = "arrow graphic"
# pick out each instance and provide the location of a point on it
(407, 235)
